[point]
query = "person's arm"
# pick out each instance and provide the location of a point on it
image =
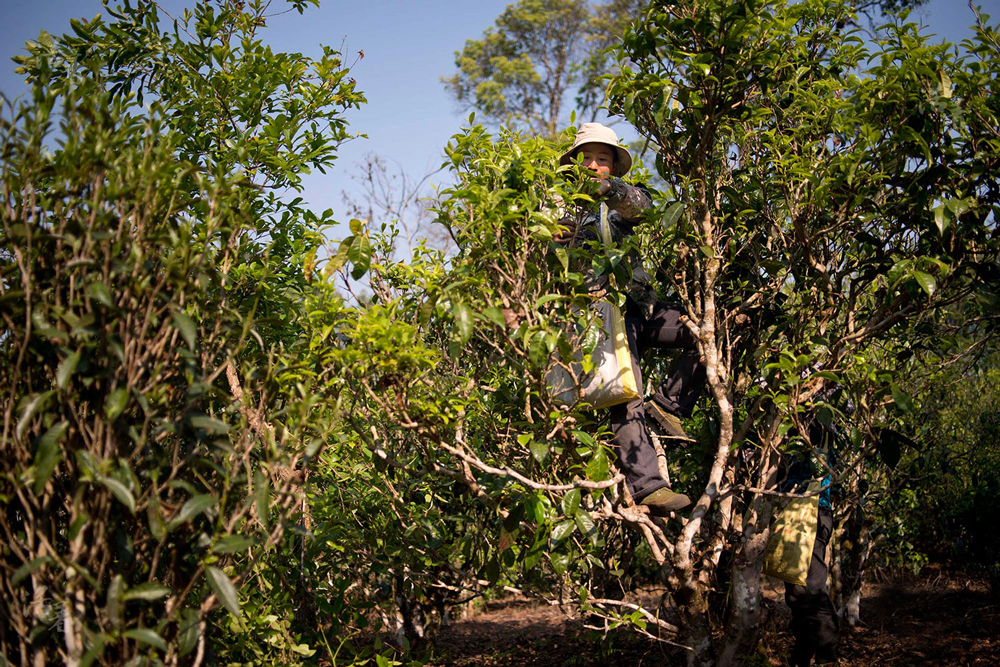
(631, 201)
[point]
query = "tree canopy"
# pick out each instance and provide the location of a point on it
(522, 70)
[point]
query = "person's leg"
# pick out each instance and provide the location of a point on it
(827, 624)
(636, 455)
(683, 385)
(799, 601)
(685, 381)
(815, 625)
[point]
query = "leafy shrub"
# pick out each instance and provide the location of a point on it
(155, 406)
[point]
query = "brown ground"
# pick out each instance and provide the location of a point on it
(932, 623)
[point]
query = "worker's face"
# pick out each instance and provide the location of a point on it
(598, 157)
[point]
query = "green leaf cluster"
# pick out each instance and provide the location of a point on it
(154, 288)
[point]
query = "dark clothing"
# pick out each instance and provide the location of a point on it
(677, 394)
(805, 467)
(814, 619)
(649, 323)
(626, 206)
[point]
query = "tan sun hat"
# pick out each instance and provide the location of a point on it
(595, 133)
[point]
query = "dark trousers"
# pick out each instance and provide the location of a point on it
(814, 620)
(677, 394)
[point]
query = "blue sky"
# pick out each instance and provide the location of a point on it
(408, 45)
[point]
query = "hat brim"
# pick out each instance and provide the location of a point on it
(622, 164)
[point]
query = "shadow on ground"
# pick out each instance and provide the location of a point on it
(902, 625)
(916, 624)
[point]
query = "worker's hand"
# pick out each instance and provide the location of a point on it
(603, 186)
(570, 230)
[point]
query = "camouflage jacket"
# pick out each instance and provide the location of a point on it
(626, 206)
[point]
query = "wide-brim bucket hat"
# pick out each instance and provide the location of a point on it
(595, 133)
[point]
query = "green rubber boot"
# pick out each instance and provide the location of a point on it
(670, 424)
(663, 501)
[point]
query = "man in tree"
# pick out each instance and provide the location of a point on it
(649, 322)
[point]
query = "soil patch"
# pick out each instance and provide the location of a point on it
(914, 624)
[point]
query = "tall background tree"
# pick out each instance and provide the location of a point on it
(842, 213)
(524, 70)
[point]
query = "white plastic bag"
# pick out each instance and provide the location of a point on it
(612, 380)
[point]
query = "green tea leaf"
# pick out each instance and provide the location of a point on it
(66, 369)
(120, 492)
(542, 300)
(901, 399)
(495, 315)
(570, 501)
(926, 282)
(338, 261)
(563, 258)
(536, 506)
(939, 220)
(360, 254)
(154, 517)
(48, 455)
(598, 467)
(29, 567)
(187, 631)
(586, 525)
(100, 292)
(147, 591)
(672, 215)
(463, 321)
(187, 328)
(35, 403)
(192, 508)
(561, 531)
(146, 636)
(224, 589)
(303, 649)
(506, 539)
(538, 351)
(560, 562)
(262, 498)
(539, 450)
(115, 403)
(231, 544)
(492, 570)
(889, 445)
(211, 424)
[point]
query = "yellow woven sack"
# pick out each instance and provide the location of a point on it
(792, 539)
